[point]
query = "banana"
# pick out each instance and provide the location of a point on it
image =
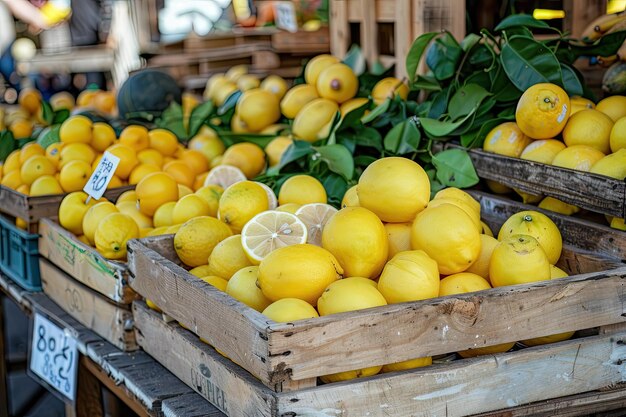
(607, 61)
(621, 52)
(621, 25)
(599, 26)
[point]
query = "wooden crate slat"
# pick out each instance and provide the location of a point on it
(110, 321)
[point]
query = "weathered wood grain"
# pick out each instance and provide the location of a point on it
(83, 263)
(189, 405)
(113, 322)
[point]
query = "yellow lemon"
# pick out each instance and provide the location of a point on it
(131, 210)
(542, 111)
(223, 91)
(289, 310)
(458, 194)
(62, 100)
(219, 283)
(258, 109)
(181, 172)
(188, 207)
(112, 233)
(358, 240)
(350, 198)
(314, 120)
(349, 294)
(76, 129)
(248, 82)
(276, 148)
(72, 211)
(589, 127)
(409, 276)
(74, 175)
(195, 160)
(228, 257)
(613, 165)
(302, 189)
(200, 271)
(578, 157)
(135, 137)
(94, 216)
(353, 104)
(76, 152)
(212, 83)
(12, 179)
(398, 237)
(140, 171)
(288, 208)
(246, 156)
(471, 212)
(163, 215)
(481, 266)
(613, 106)
(556, 272)
(45, 185)
(338, 83)
(275, 85)
(580, 103)
(410, 364)
(315, 216)
(102, 136)
(154, 190)
(183, 190)
(243, 287)
(196, 239)
(211, 194)
(210, 145)
(316, 65)
(488, 350)
(298, 271)
(462, 282)
(30, 149)
(558, 206)
(12, 162)
(348, 375)
(506, 139)
(449, 236)
(21, 128)
(162, 141)
(199, 181)
(128, 159)
(296, 98)
(617, 139)
(537, 225)
(35, 167)
(486, 230)
(518, 259)
(498, 188)
(241, 202)
(270, 230)
(30, 100)
(543, 150)
(23, 189)
(389, 87)
(129, 195)
(224, 176)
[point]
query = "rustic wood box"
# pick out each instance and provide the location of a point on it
(287, 358)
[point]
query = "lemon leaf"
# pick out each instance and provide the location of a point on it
(403, 138)
(528, 62)
(198, 116)
(378, 111)
(455, 168)
(338, 158)
(571, 82)
(47, 112)
(443, 56)
(465, 100)
(521, 19)
(414, 56)
(7, 144)
(60, 116)
(335, 186)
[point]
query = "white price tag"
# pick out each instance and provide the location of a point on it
(54, 356)
(285, 16)
(97, 184)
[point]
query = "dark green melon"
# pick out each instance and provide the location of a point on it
(146, 93)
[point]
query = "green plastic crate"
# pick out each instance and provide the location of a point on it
(19, 255)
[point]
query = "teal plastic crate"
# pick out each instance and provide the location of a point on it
(19, 255)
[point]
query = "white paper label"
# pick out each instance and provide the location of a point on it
(101, 176)
(54, 356)
(286, 16)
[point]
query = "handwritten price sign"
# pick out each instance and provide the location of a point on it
(54, 356)
(285, 13)
(97, 184)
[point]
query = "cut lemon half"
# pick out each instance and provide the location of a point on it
(224, 176)
(271, 230)
(272, 201)
(315, 216)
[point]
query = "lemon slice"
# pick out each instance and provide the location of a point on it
(271, 230)
(224, 176)
(315, 216)
(271, 197)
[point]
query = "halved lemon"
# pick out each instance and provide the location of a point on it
(271, 230)
(315, 216)
(224, 176)
(271, 197)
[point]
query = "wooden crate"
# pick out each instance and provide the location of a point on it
(410, 19)
(32, 209)
(592, 192)
(290, 356)
(111, 321)
(83, 263)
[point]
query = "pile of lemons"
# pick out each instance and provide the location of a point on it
(567, 132)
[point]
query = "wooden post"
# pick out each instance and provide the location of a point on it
(582, 12)
(369, 32)
(88, 394)
(339, 28)
(403, 36)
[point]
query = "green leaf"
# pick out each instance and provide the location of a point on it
(295, 151)
(355, 60)
(572, 84)
(439, 128)
(377, 68)
(348, 141)
(607, 45)
(47, 112)
(443, 56)
(367, 137)
(439, 104)
(477, 137)
(338, 158)
(335, 186)
(455, 168)
(525, 20)
(435, 186)
(60, 116)
(481, 57)
(426, 83)
(414, 56)
(403, 138)
(49, 136)
(172, 120)
(465, 100)
(470, 41)
(7, 144)
(353, 118)
(378, 110)
(364, 160)
(229, 103)
(198, 116)
(502, 87)
(481, 78)
(230, 138)
(528, 62)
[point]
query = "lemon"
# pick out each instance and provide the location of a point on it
(462, 282)
(471, 212)
(617, 138)
(537, 225)
(214, 81)
(398, 237)
(276, 149)
(112, 233)
(529, 198)
(350, 198)
(12, 163)
(208, 144)
(353, 104)
(62, 100)
(188, 207)
(228, 257)
(302, 189)
(518, 259)
(94, 216)
(141, 171)
(224, 176)
(183, 190)
(543, 150)
(35, 167)
(129, 195)
(394, 188)
(29, 150)
(349, 294)
(128, 159)
(613, 165)
(580, 103)
(358, 239)
(131, 211)
(314, 120)
(389, 87)
(153, 306)
(246, 156)
(76, 151)
(409, 364)
(200, 271)
(219, 283)
(289, 310)
(243, 287)
(135, 137)
(144, 231)
(409, 276)
(258, 109)
(296, 98)
(481, 266)
(102, 137)
(163, 215)
(589, 127)
(338, 83)
(348, 375)
(288, 208)
(316, 65)
(578, 157)
(72, 211)
(23, 189)
(617, 223)
(613, 106)
(488, 350)
(195, 239)
(542, 111)
(241, 202)
(12, 179)
(558, 206)
(315, 216)
(298, 271)
(223, 92)
(248, 82)
(271, 230)
(506, 139)
(275, 85)
(556, 272)
(458, 194)
(272, 200)
(154, 190)
(486, 230)
(211, 194)
(76, 129)
(449, 236)
(45, 185)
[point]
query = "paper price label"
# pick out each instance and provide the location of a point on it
(54, 356)
(99, 180)
(285, 15)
